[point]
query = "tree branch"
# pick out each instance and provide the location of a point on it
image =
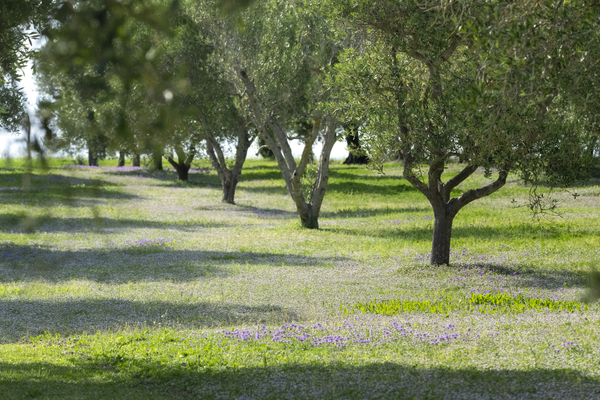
(459, 178)
(215, 161)
(471, 195)
(282, 141)
(447, 53)
(320, 184)
(409, 174)
(259, 122)
(210, 140)
(308, 148)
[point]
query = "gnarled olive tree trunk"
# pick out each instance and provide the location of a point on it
(444, 207)
(229, 177)
(183, 163)
(135, 160)
(308, 209)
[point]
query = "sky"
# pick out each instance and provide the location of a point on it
(10, 142)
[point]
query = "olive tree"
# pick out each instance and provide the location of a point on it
(433, 88)
(278, 53)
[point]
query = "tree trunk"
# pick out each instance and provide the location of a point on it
(442, 233)
(181, 167)
(135, 160)
(355, 151)
(308, 219)
(229, 178)
(92, 158)
(121, 159)
(182, 172)
(158, 165)
(229, 191)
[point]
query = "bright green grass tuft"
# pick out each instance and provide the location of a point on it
(483, 303)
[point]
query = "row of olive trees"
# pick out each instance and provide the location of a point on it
(506, 86)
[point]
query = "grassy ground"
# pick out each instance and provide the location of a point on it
(127, 284)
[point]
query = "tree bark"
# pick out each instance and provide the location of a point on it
(135, 160)
(121, 159)
(229, 191)
(442, 234)
(229, 177)
(182, 173)
(308, 219)
(158, 165)
(92, 158)
(355, 152)
(181, 167)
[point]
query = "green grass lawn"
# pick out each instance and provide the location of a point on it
(126, 284)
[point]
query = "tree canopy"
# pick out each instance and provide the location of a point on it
(489, 84)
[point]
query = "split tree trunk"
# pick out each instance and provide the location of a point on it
(135, 160)
(183, 163)
(183, 172)
(229, 177)
(355, 152)
(121, 159)
(229, 191)
(308, 219)
(444, 207)
(292, 173)
(181, 168)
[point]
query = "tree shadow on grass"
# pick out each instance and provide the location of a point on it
(23, 223)
(348, 188)
(351, 187)
(144, 379)
(524, 275)
(345, 213)
(136, 263)
(168, 178)
(67, 317)
(263, 175)
(406, 230)
(60, 189)
(361, 212)
(343, 175)
(268, 213)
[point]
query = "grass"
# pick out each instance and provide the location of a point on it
(484, 303)
(128, 284)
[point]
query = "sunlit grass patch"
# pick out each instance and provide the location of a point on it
(8, 290)
(483, 303)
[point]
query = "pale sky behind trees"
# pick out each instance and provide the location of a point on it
(10, 141)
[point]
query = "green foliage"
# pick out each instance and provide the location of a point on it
(496, 91)
(20, 22)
